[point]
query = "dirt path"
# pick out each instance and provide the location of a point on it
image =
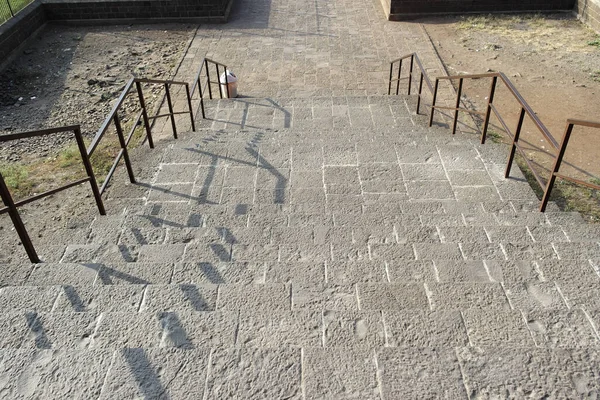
(72, 75)
(554, 61)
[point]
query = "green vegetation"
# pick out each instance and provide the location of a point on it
(15, 5)
(16, 177)
(595, 76)
(595, 42)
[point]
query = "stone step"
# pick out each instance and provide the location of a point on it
(306, 328)
(292, 372)
(529, 296)
(380, 269)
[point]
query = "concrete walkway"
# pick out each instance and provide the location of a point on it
(326, 245)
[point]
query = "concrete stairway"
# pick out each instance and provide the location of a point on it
(349, 254)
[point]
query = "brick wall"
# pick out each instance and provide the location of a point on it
(403, 9)
(137, 10)
(589, 12)
(17, 30)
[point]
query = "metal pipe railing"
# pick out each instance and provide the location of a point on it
(525, 110)
(202, 85)
(11, 207)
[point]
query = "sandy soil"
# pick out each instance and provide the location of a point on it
(549, 60)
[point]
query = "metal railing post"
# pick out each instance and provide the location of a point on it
(89, 171)
(117, 122)
(226, 82)
(399, 75)
(513, 148)
(18, 222)
(170, 104)
(390, 81)
(420, 92)
(435, 90)
(201, 99)
(488, 111)
(138, 86)
(219, 81)
(557, 162)
(412, 59)
(189, 100)
(208, 79)
(458, 95)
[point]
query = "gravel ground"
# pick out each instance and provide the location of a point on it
(72, 75)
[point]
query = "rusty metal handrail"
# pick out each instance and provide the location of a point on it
(414, 58)
(525, 110)
(11, 207)
(202, 85)
(113, 118)
(571, 123)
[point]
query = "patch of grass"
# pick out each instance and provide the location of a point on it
(16, 177)
(595, 42)
(69, 157)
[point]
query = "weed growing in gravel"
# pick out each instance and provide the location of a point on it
(16, 176)
(595, 42)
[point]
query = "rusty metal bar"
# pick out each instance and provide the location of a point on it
(502, 122)
(169, 114)
(558, 161)
(210, 96)
(17, 222)
(488, 110)
(219, 81)
(172, 115)
(89, 171)
(420, 90)
(145, 114)
(399, 75)
(202, 102)
(458, 95)
(540, 180)
(110, 117)
(435, 90)
(117, 122)
(513, 148)
(474, 112)
(42, 132)
(412, 61)
(111, 171)
(226, 82)
(470, 76)
(132, 131)
(160, 81)
(581, 122)
(189, 100)
(578, 181)
(50, 192)
(390, 81)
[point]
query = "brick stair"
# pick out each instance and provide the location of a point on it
(301, 263)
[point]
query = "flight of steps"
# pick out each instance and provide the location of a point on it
(382, 259)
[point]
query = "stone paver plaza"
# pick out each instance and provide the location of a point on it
(313, 240)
